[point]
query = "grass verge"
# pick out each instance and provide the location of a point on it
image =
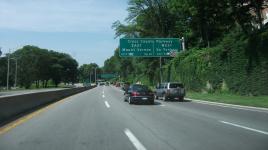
(256, 101)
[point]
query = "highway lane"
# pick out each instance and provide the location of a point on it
(99, 119)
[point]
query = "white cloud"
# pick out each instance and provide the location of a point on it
(60, 15)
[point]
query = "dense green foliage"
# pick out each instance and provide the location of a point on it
(3, 70)
(36, 65)
(226, 67)
(87, 72)
(224, 39)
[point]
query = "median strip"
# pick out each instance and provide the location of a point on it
(244, 127)
(13, 106)
(134, 140)
(28, 117)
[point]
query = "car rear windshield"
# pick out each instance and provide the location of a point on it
(140, 88)
(175, 85)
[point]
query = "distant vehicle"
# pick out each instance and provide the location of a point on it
(117, 84)
(170, 90)
(125, 86)
(137, 93)
(101, 83)
(107, 83)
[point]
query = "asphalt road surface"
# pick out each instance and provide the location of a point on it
(98, 119)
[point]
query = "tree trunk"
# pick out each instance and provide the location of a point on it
(257, 4)
(46, 83)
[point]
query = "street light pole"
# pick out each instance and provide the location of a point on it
(90, 77)
(160, 65)
(183, 44)
(95, 76)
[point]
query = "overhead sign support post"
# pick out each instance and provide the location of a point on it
(160, 63)
(183, 44)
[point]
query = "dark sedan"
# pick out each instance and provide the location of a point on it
(137, 93)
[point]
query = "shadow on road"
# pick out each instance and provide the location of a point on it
(148, 104)
(180, 101)
(157, 103)
(177, 101)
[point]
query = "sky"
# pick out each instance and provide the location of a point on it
(81, 28)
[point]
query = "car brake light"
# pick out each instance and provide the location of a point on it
(135, 94)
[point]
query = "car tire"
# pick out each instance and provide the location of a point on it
(165, 98)
(152, 102)
(181, 99)
(129, 100)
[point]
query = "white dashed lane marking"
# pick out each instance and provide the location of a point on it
(134, 140)
(107, 104)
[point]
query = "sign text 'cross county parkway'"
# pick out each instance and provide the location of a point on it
(149, 47)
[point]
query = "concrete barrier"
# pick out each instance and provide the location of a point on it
(12, 106)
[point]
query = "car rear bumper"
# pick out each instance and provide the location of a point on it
(141, 99)
(175, 96)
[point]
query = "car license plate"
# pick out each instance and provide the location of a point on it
(144, 98)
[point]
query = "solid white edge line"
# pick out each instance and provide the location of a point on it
(244, 127)
(249, 108)
(134, 140)
(107, 104)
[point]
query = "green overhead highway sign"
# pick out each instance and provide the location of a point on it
(108, 75)
(149, 47)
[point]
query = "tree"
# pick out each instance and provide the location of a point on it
(203, 23)
(147, 18)
(36, 65)
(3, 71)
(87, 70)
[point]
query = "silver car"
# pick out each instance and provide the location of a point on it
(170, 90)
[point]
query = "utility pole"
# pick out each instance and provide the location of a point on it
(16, 72)
(8, 56)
